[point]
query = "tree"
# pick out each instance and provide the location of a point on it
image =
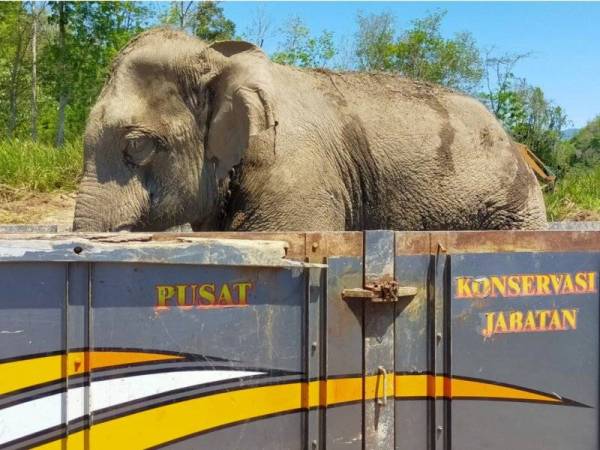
(301, 49)
(375, 41)
(16, 33)
(423, 53)
(420, 52)
(181, 14)
(260, 27)
(587, 144)
(523, 109)
(35, 18)
(89, 35)
(499, 83)
(62, 10)
(211, 23)
(544, 121)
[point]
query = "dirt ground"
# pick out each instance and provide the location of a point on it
(26, 207)
(57, 208)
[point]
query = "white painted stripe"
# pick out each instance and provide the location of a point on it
(46, 412)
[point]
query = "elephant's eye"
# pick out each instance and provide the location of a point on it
(139, 151)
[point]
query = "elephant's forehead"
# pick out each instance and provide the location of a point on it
(148, 101)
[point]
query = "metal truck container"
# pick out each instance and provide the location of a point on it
(374, 340)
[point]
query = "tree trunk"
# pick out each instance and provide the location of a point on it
(62, 102)
(34, 75)
(14, 88)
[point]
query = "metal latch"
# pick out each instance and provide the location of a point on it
(386, 291)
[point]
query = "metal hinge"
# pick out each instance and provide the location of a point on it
(386, 291)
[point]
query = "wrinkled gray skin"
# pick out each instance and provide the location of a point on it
(312, 150)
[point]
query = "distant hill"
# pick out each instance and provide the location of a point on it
(569, 133)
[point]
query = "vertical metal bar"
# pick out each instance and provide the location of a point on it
(379, 344)
(312, 355)
(448, 348)
(76, 342)
(440, 340)
(66, 348)
(89, 346)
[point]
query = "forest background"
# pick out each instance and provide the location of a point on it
(55, 56)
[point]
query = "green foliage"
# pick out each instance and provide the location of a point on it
(212, 25)
(15, 26)
(587, 144)
(576, 196)
(375, 41)
(39, 167)
(420, 52)
(77, 65)
(300, 49)
(423, 53)
(76, 42)
(205, 19)
(533, 120)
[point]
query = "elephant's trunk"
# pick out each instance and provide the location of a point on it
(110, 206)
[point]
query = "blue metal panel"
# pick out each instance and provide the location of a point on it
(518, 322)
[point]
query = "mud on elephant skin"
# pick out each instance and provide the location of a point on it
(220, 137)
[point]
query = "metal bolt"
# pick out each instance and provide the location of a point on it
(313, 346)
(77, 250)
(314, 444)
(440, 428)
(438, 336)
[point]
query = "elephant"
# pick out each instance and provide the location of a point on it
(222, 138)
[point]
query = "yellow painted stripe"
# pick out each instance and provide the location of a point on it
(165, 423)
(27, 373)
(441, 386)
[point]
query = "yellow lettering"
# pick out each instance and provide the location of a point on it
(181, 288)
(542, 318)
(164, 293)
(529, 324)
(527, 285)
(463, 289)
(555, 322)
(499, 285)
(569, 319)
(243, 292)
(568, 285)
(489, 324)
(556, 282)
(500, 323)
(481, 288)
(581, 284)
(592, 281)
(515, 321)
(543, 284)
(225, 297)
(207, 294)
(514, 286)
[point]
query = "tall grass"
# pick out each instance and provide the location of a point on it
(38, 167)
(576, 196)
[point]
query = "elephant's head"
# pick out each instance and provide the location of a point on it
(173, 118)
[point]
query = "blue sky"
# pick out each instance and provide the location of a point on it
(564, 37)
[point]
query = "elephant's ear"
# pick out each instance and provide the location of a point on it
(230, 48)
(242, 108)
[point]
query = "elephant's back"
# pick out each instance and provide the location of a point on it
(451, 160)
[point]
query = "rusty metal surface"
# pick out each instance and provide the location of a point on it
(314, 247)
(422, 242)
(317, 246)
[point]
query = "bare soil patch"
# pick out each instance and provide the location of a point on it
(20, 206)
